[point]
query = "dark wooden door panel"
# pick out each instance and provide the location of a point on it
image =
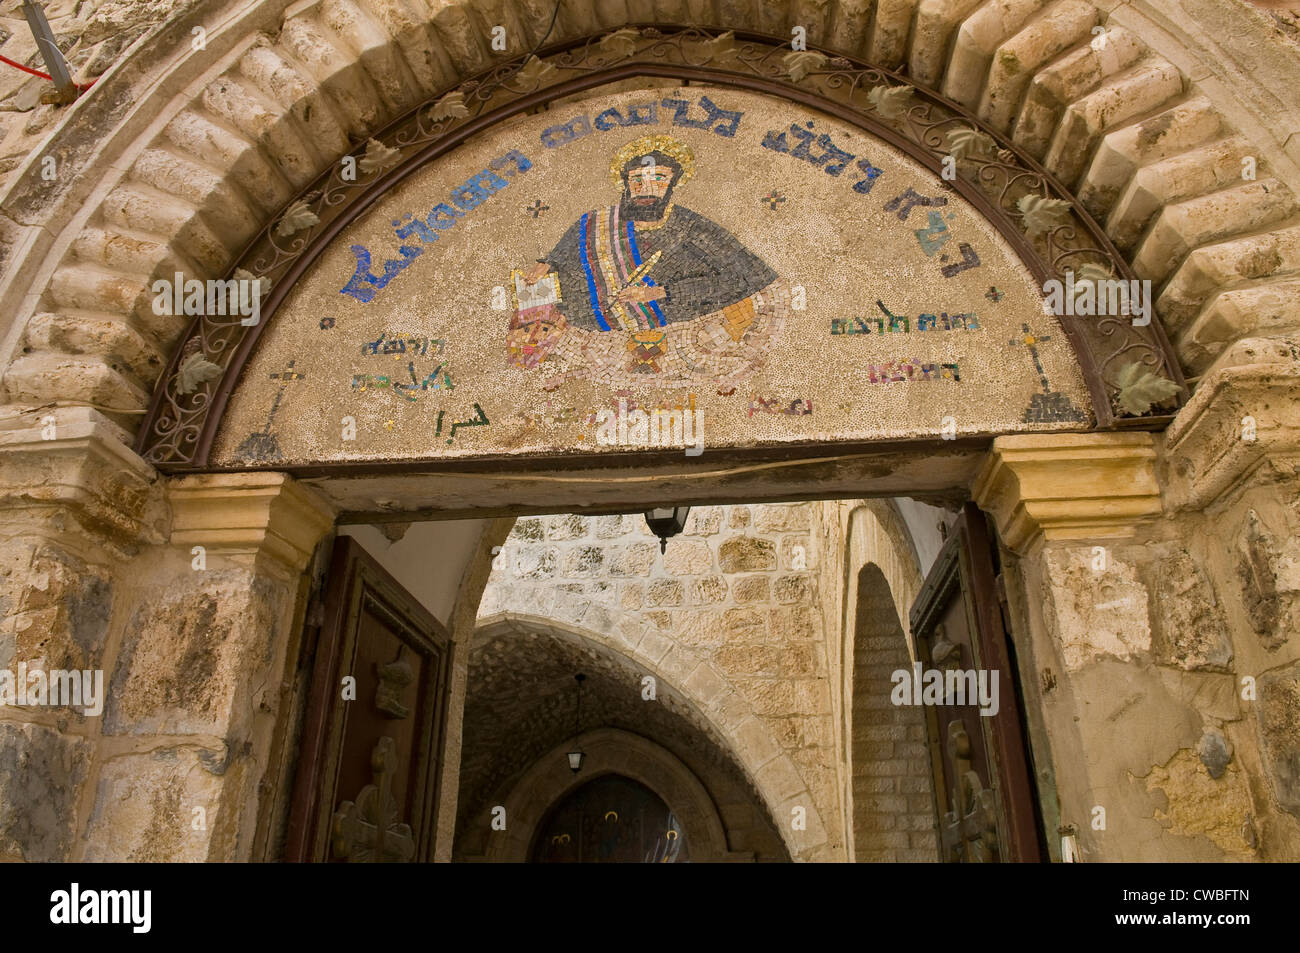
(370, 756)
(985, 801)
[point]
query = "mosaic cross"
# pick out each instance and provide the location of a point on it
(263, 445)
(287, 376)
(536, 208)
(773, 199)
(1030, 340)
(995, 294)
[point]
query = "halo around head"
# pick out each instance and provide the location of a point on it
(675, 149)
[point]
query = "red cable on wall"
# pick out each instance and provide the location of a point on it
(35, 72)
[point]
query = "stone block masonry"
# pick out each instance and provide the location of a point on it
(733, 596)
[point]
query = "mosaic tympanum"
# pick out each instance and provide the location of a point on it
(690, 267)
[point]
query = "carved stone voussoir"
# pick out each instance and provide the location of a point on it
(1241, 426)
(72, 462)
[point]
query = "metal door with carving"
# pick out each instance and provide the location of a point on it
(370, 754)
(985, 801)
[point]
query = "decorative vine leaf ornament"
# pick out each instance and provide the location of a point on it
(722, 46)
(890, 102)
(263, 284)
(1091, 274)
(451, 106)
(1041, 214)
(298, 217)
(195, 370)
(533, 71)
(378, 157)
(1139, 389)
(966, 143)
(802, 62)
(620, 42)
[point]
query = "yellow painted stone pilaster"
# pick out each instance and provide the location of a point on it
(1068, 486)
(250, 515)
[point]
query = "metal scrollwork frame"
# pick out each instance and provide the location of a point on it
(180, 428)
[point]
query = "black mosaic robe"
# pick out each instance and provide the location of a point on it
(702, 268)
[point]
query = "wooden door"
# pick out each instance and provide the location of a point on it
(370, 758)
(610, 820)
(985, 799)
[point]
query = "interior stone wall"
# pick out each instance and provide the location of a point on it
(727, 614)
(521, 718)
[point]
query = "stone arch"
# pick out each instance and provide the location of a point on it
(169, 142)
(881, 576)
(609, 751)
(876, 533)
(718, 709)
(186, 180)
(891, 786)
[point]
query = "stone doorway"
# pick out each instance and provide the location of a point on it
(118, 590)
(715, 664)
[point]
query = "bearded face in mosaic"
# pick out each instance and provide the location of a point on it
(649, 262)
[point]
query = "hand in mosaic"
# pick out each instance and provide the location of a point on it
(685, 291)
(640, 294)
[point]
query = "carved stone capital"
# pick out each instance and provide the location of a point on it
(1068, 486)
(1242, 426)
(68, 474)
(249, 514)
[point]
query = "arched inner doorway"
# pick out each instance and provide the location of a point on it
(522, 718)
(610, 819)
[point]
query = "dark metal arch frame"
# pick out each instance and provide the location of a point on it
(179, 429)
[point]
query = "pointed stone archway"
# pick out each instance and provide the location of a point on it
(694, 692)
(608, 751)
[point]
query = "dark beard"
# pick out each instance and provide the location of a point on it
(629, 210)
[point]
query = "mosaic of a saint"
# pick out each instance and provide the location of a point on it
(647, 286)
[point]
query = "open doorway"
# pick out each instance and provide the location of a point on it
(746, 675)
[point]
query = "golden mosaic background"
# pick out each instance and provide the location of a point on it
(812, 228)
